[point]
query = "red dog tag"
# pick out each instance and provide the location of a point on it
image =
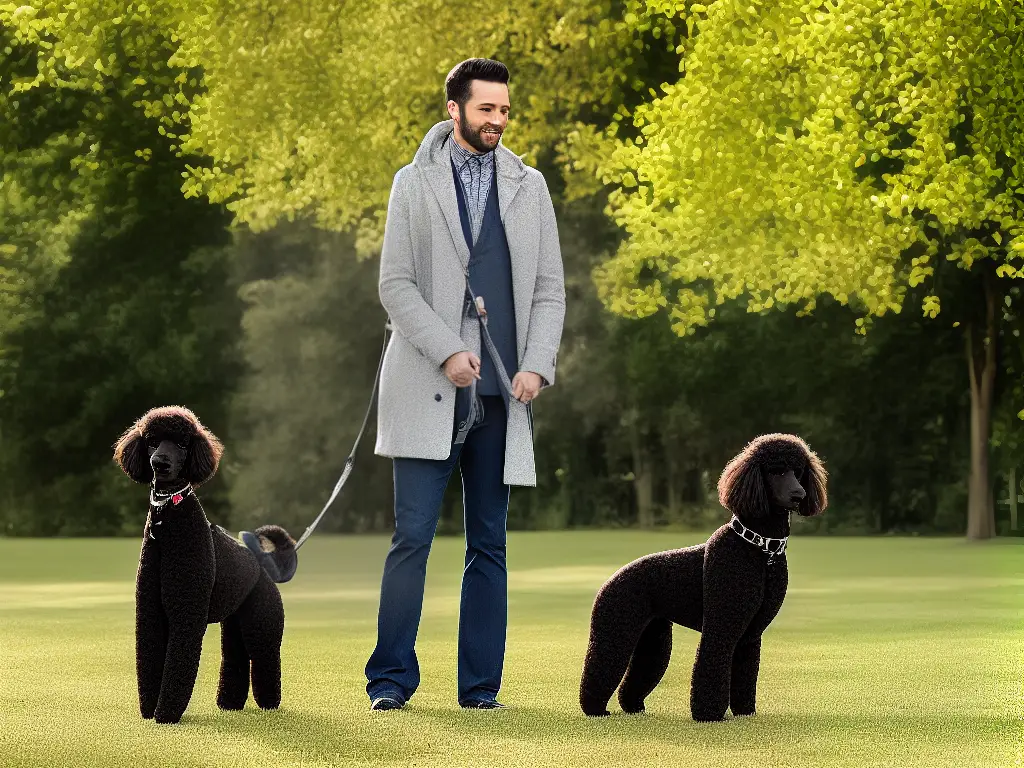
(176, 499)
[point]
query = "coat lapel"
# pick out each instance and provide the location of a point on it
(524, 257)
(509, 180)
(439, 175)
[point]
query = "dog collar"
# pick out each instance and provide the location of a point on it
(159, 499)
(771, 547)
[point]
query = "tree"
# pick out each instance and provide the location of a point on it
(76, 85)
(114, 294)
(854, 149)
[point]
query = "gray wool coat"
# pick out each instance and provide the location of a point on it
(422, 287)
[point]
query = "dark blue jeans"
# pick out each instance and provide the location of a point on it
(392, 669)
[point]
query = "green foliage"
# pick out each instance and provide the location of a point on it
(310, 110)
(819, 148)
(142, 318)
(80, 85)
(113, 290)
(284, 110)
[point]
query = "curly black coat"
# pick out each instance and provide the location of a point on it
(728, 589)
(192, 573)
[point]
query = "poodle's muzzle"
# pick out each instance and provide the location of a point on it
(787, 492)
(166, 457)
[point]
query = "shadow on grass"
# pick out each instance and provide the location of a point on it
(302, 733)
(399, 737)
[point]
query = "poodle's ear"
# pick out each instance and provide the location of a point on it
(204, 455)
(816, 500)
(130, 455)
(741, 488)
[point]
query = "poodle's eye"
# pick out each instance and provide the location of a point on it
(776, 471)
(154, 442)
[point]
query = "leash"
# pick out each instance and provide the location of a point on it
(475, 414)
(475, 411)
(252, 541)
(351, 460)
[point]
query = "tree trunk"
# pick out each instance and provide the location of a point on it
(673, 491)
(1013, 498)
(981, 365)
(643, 478)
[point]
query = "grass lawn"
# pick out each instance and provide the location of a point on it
(887, 652)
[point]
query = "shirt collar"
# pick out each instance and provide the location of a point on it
(461, 155)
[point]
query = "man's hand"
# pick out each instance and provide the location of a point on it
(461, 368)
(525, 386)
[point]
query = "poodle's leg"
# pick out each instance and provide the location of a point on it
(730, 602)
(648, 665)
(185, 646)
(186, 582)
(234, 666)
(712, 672)
(747, 658)
(262, 621)
(615, 626)
(150, 630)
(745, 663)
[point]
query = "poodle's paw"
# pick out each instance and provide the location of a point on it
(593, 708)
(743, 713)
(168, 718)
(268, 701)
(229, 705)
(708, 717)
(147, 708)
(633, 707)
(593, 705)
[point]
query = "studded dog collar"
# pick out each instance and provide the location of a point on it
(159, 499)
(772, 547)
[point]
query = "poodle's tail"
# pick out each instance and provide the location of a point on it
(275, 550)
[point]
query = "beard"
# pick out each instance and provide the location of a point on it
(476, 137)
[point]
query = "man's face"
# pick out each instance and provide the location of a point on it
(482, 120)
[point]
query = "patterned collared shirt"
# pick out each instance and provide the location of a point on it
(476, 172)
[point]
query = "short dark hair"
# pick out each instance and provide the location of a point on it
(459, 81)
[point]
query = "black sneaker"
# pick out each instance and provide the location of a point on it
(483, 704)
(386, 703)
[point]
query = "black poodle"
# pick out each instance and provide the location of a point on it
(192, 573)
(729, 589)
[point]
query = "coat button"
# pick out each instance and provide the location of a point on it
(437, 397)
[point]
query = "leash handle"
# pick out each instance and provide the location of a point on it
(481, 313)
(499, 366)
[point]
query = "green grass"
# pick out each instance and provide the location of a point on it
(887, 652)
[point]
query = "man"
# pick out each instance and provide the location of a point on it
(465, 207)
